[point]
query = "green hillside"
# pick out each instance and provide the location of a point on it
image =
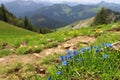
(7, 30)
(12, 36)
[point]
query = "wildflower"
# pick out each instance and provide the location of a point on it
(104, 56)
(82, 50)
(87, 48)
(98, 50)
(59, 72)
(108, 45)
(68, 51)
(68, 57)
(94, 47)
(64, 63)
(72, 55)
(61, 58)
(74, 52)
(49, 78)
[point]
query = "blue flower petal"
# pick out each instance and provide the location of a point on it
(82, 50)
(49, 78)
(59, 72)
(104, 56)
(64, 63)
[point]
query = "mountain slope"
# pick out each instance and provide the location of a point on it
(7, 30)
(19, 7)
(64, 14)
(43, 21)
(80, 24)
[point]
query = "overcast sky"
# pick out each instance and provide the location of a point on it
(80, 1)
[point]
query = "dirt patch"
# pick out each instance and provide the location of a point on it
(116, 46)
(60, 49)
(31, 59)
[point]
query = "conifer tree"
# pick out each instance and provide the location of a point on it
(101, 17)
(4, 13)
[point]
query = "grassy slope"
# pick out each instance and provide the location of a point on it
(58, 36)
(12, 35)
(8, 31)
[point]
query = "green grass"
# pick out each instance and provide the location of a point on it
(34, 43)
(14, 36)
(94, 63)
(5, 52)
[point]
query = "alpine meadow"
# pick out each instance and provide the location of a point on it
(59, 40)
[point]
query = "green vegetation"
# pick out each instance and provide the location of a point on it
(106, 16)
(95, 62)
(26, 42)
(25, 23)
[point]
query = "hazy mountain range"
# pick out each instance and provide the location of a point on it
(51, 15)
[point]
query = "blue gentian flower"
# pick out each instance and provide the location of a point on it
(64, 63)
(82, 50)
(68, 52)
(68, 57)
(65, 57)
(104, 56)
(108, 45)
(61, 58)
(49, 78)
(94, 47)
(59, 72)
(74, 52)
(98, 50)
(87, 48)
(72, 55)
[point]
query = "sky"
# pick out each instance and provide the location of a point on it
(80, 1)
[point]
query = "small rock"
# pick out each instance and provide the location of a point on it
(35, 46)
(2, 59)
(36, 55)
(41, 70)
(66, 46)
(71, 49)
(59, 46)
(21, 46)
(12, 49)
(49, 40)
(116, 46)
(48, 53)
(65, 39)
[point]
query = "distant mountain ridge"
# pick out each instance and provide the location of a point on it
(22, 6)
(65, 14)
(57, 15)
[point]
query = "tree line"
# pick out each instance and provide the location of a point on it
(25, 23)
